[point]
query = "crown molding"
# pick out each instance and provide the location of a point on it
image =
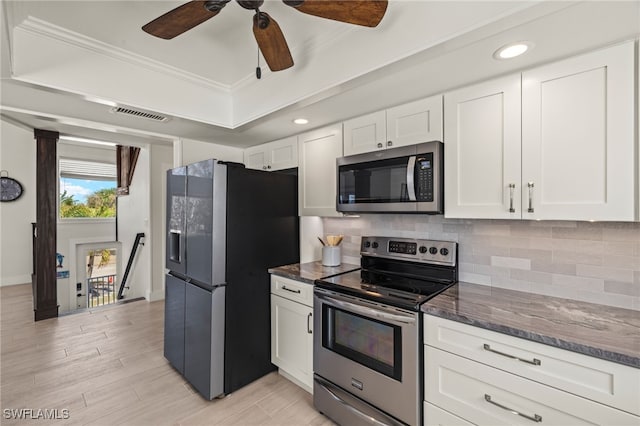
(46, 29)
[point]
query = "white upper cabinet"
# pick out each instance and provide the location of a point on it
(408, 124)
(482, 150)
(415, 122)
(365, 134)
(317, 151)
(277, 155)
(578, 137)
(568, 156)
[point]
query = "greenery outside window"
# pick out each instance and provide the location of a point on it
(87, 189)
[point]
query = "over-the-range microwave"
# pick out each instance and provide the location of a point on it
(406, 179)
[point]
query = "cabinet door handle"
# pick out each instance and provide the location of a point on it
(530, 186)
(389, 143)
(268, 167)
(535, 418)
(379, 144)
(512, 188)
(308, 323)
(284, 287)
(535, 361)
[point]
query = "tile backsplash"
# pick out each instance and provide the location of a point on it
(595, 262)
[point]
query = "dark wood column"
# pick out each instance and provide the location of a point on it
(45, 300)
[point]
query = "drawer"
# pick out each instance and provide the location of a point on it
(436, 416)
(297, 291)
(487, 396)
(603, 381)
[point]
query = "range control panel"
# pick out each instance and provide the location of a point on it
(426, 251)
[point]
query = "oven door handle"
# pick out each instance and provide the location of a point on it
(364, 310)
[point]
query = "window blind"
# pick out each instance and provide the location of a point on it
(82, 169)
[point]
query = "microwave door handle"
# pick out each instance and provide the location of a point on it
(411, 187)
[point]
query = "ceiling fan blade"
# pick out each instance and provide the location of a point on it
(271, 42)
(179, 20)
(367, 13)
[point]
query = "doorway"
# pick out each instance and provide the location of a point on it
(98, 274)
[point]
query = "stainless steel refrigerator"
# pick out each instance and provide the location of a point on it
(226, 225)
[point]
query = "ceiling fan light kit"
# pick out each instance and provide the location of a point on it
(266, 30)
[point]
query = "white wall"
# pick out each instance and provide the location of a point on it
(161, 161)
(134, 217)
(193, 151)
(17, 157)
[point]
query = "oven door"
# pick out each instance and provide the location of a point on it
(369, 350)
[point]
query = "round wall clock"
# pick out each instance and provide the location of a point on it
(10, 189)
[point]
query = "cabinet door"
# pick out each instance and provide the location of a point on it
(282, 154)
(482, 150)
(255, 158)
(174, 290)
(365, 134)
(578, 137)
(292, 338)
(317, 152)
(415, 122)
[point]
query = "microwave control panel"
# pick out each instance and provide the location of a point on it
(424, 177)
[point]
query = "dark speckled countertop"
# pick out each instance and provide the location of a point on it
(311, 271)
(600, 331)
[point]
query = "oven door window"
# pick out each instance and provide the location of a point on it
(380, 181)
(372, 343)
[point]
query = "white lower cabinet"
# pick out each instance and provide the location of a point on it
(488, 378)
(436, 416)
(292, 330)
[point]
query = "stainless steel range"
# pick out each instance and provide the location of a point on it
(368, 347)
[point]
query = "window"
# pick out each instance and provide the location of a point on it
(87, 189)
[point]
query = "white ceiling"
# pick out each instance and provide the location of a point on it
(65, 63)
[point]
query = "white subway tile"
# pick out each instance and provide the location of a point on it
(511, 262)
(583, 283)
(474, 278)
(613, 274)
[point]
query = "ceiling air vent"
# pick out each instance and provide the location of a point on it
(139, 113)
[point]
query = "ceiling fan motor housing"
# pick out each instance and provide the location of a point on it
(215, 5)
(250, 4)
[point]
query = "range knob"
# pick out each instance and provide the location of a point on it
(375, 245)
(444, 251)
(433, 250)
(367, 244)
(422, 249)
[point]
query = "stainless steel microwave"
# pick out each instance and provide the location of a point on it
(401, 180)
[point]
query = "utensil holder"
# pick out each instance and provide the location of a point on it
(331, 256)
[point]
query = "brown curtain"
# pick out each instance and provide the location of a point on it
(126, 159)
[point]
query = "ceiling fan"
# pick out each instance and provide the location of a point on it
(266, 30)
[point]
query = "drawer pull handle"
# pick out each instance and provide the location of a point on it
(535, 361)
(536, 418)
(284, 287)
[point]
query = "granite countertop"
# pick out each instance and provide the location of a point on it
(600, 331)
(311, 271)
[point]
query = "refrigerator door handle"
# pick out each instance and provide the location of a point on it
(175, 243)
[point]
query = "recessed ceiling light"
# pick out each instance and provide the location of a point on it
(512, 50)
(301, 121)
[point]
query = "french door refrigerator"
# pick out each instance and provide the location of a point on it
(226, 225)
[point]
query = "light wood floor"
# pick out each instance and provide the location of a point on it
(105, 366)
